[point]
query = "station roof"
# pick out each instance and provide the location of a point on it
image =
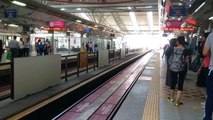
(114, 16)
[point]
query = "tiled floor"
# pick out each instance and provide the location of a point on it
(192, 97)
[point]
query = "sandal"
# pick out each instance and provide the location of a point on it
(170, 99)
(178, 103)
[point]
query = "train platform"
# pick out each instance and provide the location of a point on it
(146, 100)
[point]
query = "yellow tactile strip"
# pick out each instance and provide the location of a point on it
(151, 110)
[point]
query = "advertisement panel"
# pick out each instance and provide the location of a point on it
(56, 24)
(173, 24)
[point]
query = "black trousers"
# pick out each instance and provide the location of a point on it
(177, 78)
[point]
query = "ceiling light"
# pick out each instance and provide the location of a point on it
(12, 25)
(79, 21)
(78, 8)
(134, 21)
(84, 16)
(148, 6)
(62, 9)
(150, 19)
(211, 18)
(200, 7)
(18, 3)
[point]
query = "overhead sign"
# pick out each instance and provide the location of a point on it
(55, 29)
(190, 21)
(177, 29)
(173, 23)
(56, 24)
(10, 13)
(177, 11)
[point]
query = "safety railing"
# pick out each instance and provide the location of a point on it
(114, 55)
(74, 64)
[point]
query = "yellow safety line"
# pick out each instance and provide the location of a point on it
(151, 110)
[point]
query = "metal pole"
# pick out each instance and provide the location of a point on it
(53, 42)
(94, 60)
(198, 33)
(87, 61)
(210, 25)
(109, 55)
(66, 68)
(78, 63)
(12, 78)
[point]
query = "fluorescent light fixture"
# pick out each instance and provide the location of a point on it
(148, 6)
(133, 19)
(78, 9)
(12, 25)
(200, 7)
(150, 19)
(211, 18)
(84, 16)
(62, 9)
(79, 21)
(18, 3)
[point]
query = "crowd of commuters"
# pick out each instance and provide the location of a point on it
(43, 47)
(21, 48)
(177, 59)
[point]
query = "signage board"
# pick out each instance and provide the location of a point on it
(173, 23)
(165, 29)
(177, 11)
(10, 13)
(55, 29)
(191, 21)
(56, 24)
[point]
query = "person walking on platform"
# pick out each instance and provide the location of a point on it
(177, 62)
(27, 47)
(47, 47)
(207, 50)
(14, 47)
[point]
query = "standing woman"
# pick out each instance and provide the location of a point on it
(1, 49)
(177, 64)
(172, 44)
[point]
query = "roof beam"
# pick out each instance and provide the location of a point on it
(112, 10)
(103, 5)
(119, 21)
